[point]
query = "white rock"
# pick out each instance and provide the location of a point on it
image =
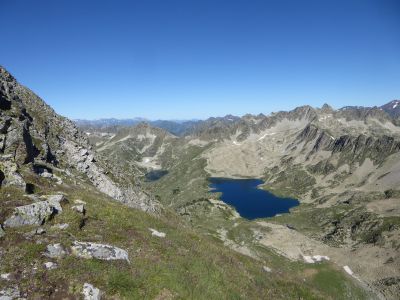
(50, 265)
(157, 233)
(266, 269)
(90, 292)
(79, 208)
(40, 230)
(46, 175)
(61, 226)
(5, 276)
(99, 251)
(78, 201)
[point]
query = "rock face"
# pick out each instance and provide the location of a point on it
(33, 135)
(55, 251)
(10, 293)
(85, 163)
(35, 213)
(99, 251)
(90, 292)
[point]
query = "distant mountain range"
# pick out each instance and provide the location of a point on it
(188, 127)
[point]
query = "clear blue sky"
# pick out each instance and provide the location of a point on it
(194, 59)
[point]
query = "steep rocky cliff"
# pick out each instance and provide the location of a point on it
(35, 139)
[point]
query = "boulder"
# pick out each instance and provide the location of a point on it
(50, 265)
(37, 231)
(90, 292)
(10, 293)
(36, 213)
(46, 174)
(58, 198)
(157, 233)
(11, 174)
(267, 269)
(79, 208)
(99, 251)
(5, 276)
(55, 251)
(78, 201)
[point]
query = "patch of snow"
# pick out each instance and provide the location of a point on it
(316, 258)
(348, 270)
(308, 259)
(263, 137)
(157, 233)
(141, 137)
(395, 105)
(236, 143)
(320, 258)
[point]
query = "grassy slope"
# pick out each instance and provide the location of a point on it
(184, 265)
(189, 178)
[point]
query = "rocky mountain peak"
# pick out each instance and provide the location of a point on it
(326, 108)
(392, 108)
(5, 75)
(34, 140)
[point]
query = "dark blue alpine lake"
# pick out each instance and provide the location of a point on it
(249, 201)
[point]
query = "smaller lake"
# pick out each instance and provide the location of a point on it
(155, 175)
(249, 201)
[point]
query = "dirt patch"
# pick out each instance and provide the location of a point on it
(385, 207)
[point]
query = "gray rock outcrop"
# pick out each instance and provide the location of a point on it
(10, 293)
(79, 208)
(36, 213)
(84, 161)
(50, 265)
(55, 251)
(100, 251)
(31, 133)
(90, 292)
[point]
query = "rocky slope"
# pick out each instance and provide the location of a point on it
(34, 138)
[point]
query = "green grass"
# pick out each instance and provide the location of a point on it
(185, 264)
